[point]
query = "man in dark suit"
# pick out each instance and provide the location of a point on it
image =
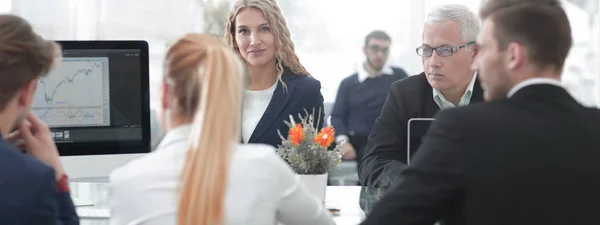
(447, 53)
(527, 156)
(33, 187)
(361, 96)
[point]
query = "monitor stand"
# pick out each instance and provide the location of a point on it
(102, 180)
(92, 191)
(89, 176)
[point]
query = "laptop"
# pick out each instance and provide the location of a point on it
(417, 129)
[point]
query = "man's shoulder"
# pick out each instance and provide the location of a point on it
(9, 156)
(417, 79)
(594, 116)
(399, 72)
(411, 83)
(15, 163)
(352, 78)
(481, 113)
(593, 111)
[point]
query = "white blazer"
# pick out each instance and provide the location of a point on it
(262, 188)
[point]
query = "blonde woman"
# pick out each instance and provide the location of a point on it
(199, 174)
(278, 85)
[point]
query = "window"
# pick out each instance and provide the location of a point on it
(328, 38)
(581, 74)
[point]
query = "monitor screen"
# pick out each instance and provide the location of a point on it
(96, 100)
(417, 129)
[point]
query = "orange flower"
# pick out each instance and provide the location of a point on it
(325, 137)
(296, 134)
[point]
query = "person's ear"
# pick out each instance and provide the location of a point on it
(164, 96)
(26, 93)
(475, 50)
(515, 55)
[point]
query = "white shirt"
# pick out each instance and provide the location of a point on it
(532, 81)
(440, 99)
(262, 189)
(254, 106)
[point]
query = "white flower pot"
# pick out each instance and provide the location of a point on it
(315, 183)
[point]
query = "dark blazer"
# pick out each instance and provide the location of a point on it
(29, 193)
(385, 154)
(303, 92)
(528, 160)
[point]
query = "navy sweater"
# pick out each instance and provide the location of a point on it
(358, 105)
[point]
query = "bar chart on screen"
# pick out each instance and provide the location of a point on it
(75, 93)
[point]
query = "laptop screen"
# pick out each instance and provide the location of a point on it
(417, 129)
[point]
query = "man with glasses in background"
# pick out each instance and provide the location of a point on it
(447, 53)
(361, 96)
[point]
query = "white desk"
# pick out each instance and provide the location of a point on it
(345, 198)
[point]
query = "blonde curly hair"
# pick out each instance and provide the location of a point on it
(286, 55)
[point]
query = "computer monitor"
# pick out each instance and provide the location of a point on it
(97, 105)
(417, 129)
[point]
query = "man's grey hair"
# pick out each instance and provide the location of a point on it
(469, 23)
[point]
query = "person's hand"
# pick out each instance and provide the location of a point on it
(348, 151)
(34, 138)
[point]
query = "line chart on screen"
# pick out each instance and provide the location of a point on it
(75, 93)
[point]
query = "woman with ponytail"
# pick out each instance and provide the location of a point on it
(199, 174)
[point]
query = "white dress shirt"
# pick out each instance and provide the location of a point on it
(255, 104)
(443, 103)
(262, 189)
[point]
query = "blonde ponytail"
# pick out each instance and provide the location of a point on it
(215, 129)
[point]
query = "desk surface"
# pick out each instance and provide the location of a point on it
(345, 198)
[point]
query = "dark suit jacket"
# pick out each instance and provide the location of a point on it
(528, 160)
(303, 92)
(385, 154)
(29, 193)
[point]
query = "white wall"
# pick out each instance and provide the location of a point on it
(596, 46)
(578, 75)
(329, 38)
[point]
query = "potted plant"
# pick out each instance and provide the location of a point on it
(308, 151)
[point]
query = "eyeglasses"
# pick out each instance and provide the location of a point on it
(377, 49)
(443, 51)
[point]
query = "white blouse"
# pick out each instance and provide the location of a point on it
(254, 106)
(262, 188)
